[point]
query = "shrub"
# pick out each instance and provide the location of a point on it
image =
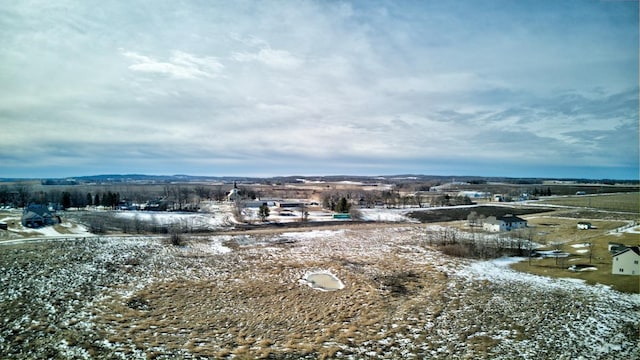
(457, 250)
(176, 238)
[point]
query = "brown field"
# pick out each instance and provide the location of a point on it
(142, 298)
(624, 202)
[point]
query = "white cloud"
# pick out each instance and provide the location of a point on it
(181, 65)
(280, 59)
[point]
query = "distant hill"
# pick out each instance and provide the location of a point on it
(395, 179)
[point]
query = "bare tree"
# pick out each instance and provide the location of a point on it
(238, 210)
(21, 194)
(472, 219)
(304, 214)
(203, 192)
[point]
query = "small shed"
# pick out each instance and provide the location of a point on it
(583, 225)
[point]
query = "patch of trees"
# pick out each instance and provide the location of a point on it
(453, 242)
(59, 182)
(541, 192)
(447, 200)
(17, 195)
(106, 222)
(181, 197)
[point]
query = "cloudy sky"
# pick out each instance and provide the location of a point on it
(266, 88)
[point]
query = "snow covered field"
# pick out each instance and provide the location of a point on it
(209, 220)
(241, 296)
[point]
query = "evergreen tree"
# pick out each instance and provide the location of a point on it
(263, 212)
(96, 200)
(105, 199)
(343, 206)
(89, 199)
(66, 200)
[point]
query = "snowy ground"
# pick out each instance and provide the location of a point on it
(241, 296)
(17, 231)
(209, 220)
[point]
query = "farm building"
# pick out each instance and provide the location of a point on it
(288, 204)
(584, 225)
(627, 261)
(503, 223)
(474, 194)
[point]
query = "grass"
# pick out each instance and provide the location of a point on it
(625, 202)
(561, 233)
(233, 314)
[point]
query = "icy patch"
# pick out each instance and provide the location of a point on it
(214, 246)
(390, 215)
(580, 245)
(47, 231)
(314, 234)
(194, 220)
(323, 280)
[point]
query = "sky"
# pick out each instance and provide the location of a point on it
(268, 88)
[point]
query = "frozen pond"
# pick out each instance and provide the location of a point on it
(323, 281)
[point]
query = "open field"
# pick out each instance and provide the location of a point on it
(624, 202)
(610, 214)
(238, 292)
(242, 296)
(561, 233)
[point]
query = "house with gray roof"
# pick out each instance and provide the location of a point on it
(503, 223)
(35, 216)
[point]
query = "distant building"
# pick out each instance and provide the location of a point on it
(627, 261)
(288, 204)
(584, 225)
(233, 194)
(474, 194)
(503, 223)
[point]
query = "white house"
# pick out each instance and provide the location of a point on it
(626, 262)
(233, 194)
(503, 223)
